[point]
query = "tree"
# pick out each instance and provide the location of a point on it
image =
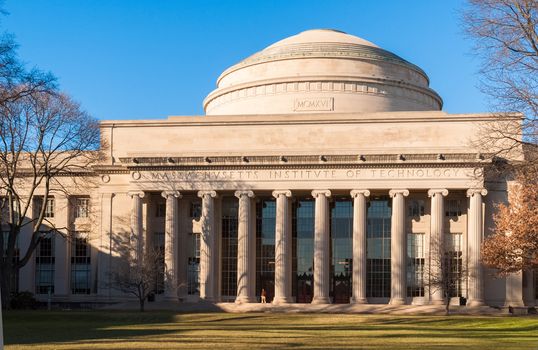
(46, 142)
(136, 271)
(506, 39)
(513, 246)
(446, 273)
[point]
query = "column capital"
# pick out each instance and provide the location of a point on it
(202, 194)
(139, 194)
(317, 193)
(355, 193)
(278, 193)
(241, 193)
(393, 193)
(166, 194)
(432, 192)
(472, 191)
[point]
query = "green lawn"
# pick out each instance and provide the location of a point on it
(166, 330)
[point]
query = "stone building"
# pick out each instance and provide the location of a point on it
(324, 171)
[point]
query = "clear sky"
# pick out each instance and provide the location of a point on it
(145, 59)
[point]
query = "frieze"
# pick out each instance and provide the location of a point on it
(307, 174)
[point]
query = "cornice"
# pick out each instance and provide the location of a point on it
(366, 160)
(312, 119)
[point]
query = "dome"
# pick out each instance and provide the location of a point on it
(321, 71)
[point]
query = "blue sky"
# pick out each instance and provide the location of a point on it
(146, 59)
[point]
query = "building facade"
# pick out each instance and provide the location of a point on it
(324, 171)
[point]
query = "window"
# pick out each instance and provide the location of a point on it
(160, 210)
(196, 210)
(453, 207)
(49, 206)
(415, 265)
(265, 247)
(193, 270)
(378, 248)
(341, 226)
(158, 245)
(415, 208)
(454, 264)
(80, 264)
(229, 248)
(302, 231)
(82, 206)
(44, 270)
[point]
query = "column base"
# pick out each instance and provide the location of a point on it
(397, 301)
(514, 303)
(245, 300)
(437, 302)
(358, 301)
(321, 300)
(282, 300)
(475, 303)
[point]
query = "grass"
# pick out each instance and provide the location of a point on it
(167, 330)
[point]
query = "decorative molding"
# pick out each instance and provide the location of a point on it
(355, 193)
(393, 193)
(317, 193)
(241, 193)
(210, 193)
(472, 191)
(105, 178)
(132, 194)
(278, 193)
(166, 194)
(334, 86)
(257, 160)
(433, 192)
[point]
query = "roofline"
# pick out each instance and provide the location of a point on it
(313, 118)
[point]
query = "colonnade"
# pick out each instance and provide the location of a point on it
(246, 277)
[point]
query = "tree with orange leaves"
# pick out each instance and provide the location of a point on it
(513, 246)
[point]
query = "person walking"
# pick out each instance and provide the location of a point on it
(263, 296)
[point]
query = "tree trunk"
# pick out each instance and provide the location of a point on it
(142, 304)
(5, 286)
(447, 306)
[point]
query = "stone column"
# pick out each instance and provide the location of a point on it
(398, 245)
(359, 246)
(475, 232)
(436, 243)
(171, 247)
(321, 248)
(283, 248)
(245, 255)
(208, 249)
(137, 231)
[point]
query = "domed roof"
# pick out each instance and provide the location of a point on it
(321, 70)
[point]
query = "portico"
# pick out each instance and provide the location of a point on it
(253, 180)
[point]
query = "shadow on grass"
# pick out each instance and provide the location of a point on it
(30, 327)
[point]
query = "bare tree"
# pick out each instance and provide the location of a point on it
(136, 272)
(446, 273)
(506, 40)
(46, 144)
